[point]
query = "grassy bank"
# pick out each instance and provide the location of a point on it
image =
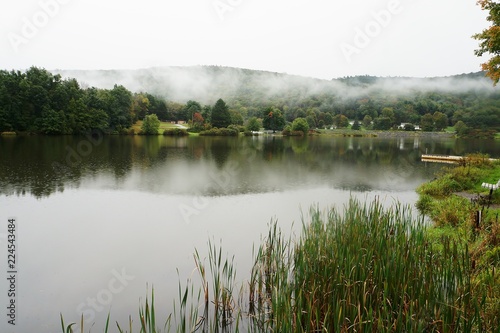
(464, 211)
(385, 134)
(163, 126)
(364, 268)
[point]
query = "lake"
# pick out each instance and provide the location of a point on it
(100, 220)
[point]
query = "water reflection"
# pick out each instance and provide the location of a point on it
(42, 166)
(144, 204)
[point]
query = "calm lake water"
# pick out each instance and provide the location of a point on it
(102, 219)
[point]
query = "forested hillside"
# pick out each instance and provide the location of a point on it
(72, 102)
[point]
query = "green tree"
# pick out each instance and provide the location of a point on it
(341, 121)
(207, 113)
(236, 117)
(53, 122)
(490, 40)
(300, 125)
(367, 121)
(150, 125)
(119, 107)
(389, 113)
(440, 121)
(328, 119)
(140, 106)
(311, 120)
(253, 124)
(427, 122)
(176, 111)
(382, 123)
(461, 128)
(356, 126)
(273, 119)
(159, 107)
(221, 117)
(190, 109)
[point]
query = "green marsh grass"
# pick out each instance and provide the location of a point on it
(367, 269)
(364, 268)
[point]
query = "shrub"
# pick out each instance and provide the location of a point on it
(150, 125)
(300, 124)
(409, 127)
(220, 132)
(287, 130)
(441, 187)
(237, 128)
(424, 204)
(176, 132)
(195, 129)
(253, 124)
(454, 211)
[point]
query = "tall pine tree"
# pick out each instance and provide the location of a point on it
(220, 115)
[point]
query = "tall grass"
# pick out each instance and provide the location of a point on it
(365, 268)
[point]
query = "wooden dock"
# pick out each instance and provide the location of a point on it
(451, 159)
(441, 158)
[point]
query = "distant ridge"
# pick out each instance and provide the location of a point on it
(208, 83)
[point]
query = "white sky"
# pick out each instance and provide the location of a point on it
(419, 38)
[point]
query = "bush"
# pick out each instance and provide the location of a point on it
(454, 211)
(300, 125)
(176, 132)
(194, 129)
(121, 131)
(253, 124)
(288, 132)
(409, 127)
(436, 188)
(220, 132)
(479, 134)
(237, 128)
(424, 204)
(150, 125)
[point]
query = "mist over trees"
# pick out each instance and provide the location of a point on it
(42, 102)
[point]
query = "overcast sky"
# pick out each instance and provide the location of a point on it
(317, 38)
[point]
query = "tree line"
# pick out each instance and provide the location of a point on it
(36, 101)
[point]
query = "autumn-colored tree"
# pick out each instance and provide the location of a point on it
(190, 109)
(273, 119)
(490, 40)
(198, 120)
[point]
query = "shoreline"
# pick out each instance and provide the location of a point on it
(329, 133)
